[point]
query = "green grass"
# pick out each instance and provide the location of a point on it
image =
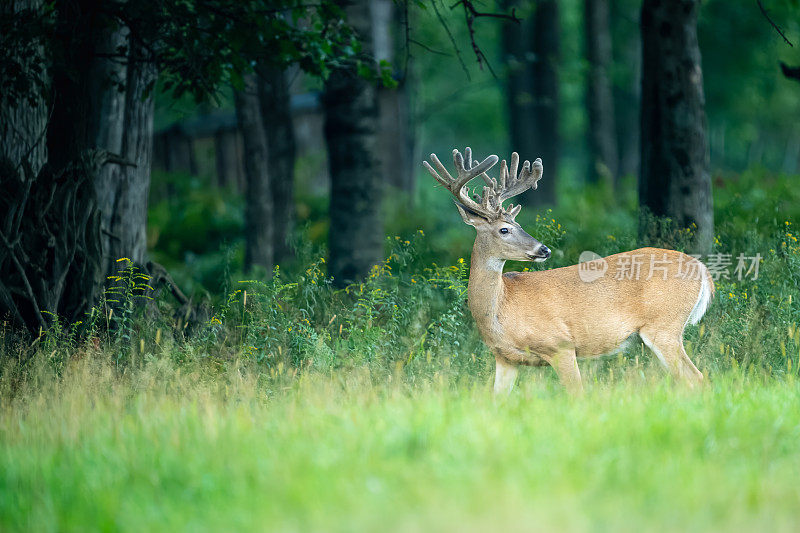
(166, 448)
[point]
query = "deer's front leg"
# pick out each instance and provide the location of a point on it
(505, 374)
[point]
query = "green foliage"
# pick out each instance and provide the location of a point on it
(751, 106)
(195, 231)
(198, 46)
(396, 315)
(203, 44)
(123, 306)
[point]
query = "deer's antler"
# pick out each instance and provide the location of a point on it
(465, 172)
(490, 204)
(513, 183)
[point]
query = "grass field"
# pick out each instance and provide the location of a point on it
(166, 448)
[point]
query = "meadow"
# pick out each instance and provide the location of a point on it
(299, 406)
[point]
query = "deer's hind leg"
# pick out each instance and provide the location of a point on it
(566, 364)
(667, 344)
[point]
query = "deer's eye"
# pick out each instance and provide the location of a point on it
(503, 230)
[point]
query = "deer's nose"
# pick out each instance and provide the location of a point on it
(544, 251)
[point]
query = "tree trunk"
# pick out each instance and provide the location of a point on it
(258, 206)
(276, 113)
(124, 198)
(23, 155)
(546, 51)
(23, 122)
(57, 257)
(517, 46)
(599, 97)
(675, 180)
(109, 89)
(228, 158)
(395, 141)
(62, 221)
(351, 120)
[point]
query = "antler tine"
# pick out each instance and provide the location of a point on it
(466, 171)
(468, 157)
(514, 184)
(445, 180)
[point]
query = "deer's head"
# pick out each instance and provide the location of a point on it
(499, 235)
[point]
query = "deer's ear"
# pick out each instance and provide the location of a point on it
(469, 216)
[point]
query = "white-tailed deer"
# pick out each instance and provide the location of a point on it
(552, 317)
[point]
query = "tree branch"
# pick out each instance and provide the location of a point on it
(428, 48)
(766, 16)
(452, 39)
(24, 276)
(470, 14)
(477, 14)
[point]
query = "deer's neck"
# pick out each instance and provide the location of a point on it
(485, 289)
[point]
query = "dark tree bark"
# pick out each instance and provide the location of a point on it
(99, 120)
(599, 97)
(56, 246)
(351, 121)
(258, 200)
(517, 46)
(23, 122)
(23, 154)
(91, 113)
(546, 52)
(276, 112)
(675, 180)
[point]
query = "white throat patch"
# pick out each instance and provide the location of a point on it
(495, 265)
